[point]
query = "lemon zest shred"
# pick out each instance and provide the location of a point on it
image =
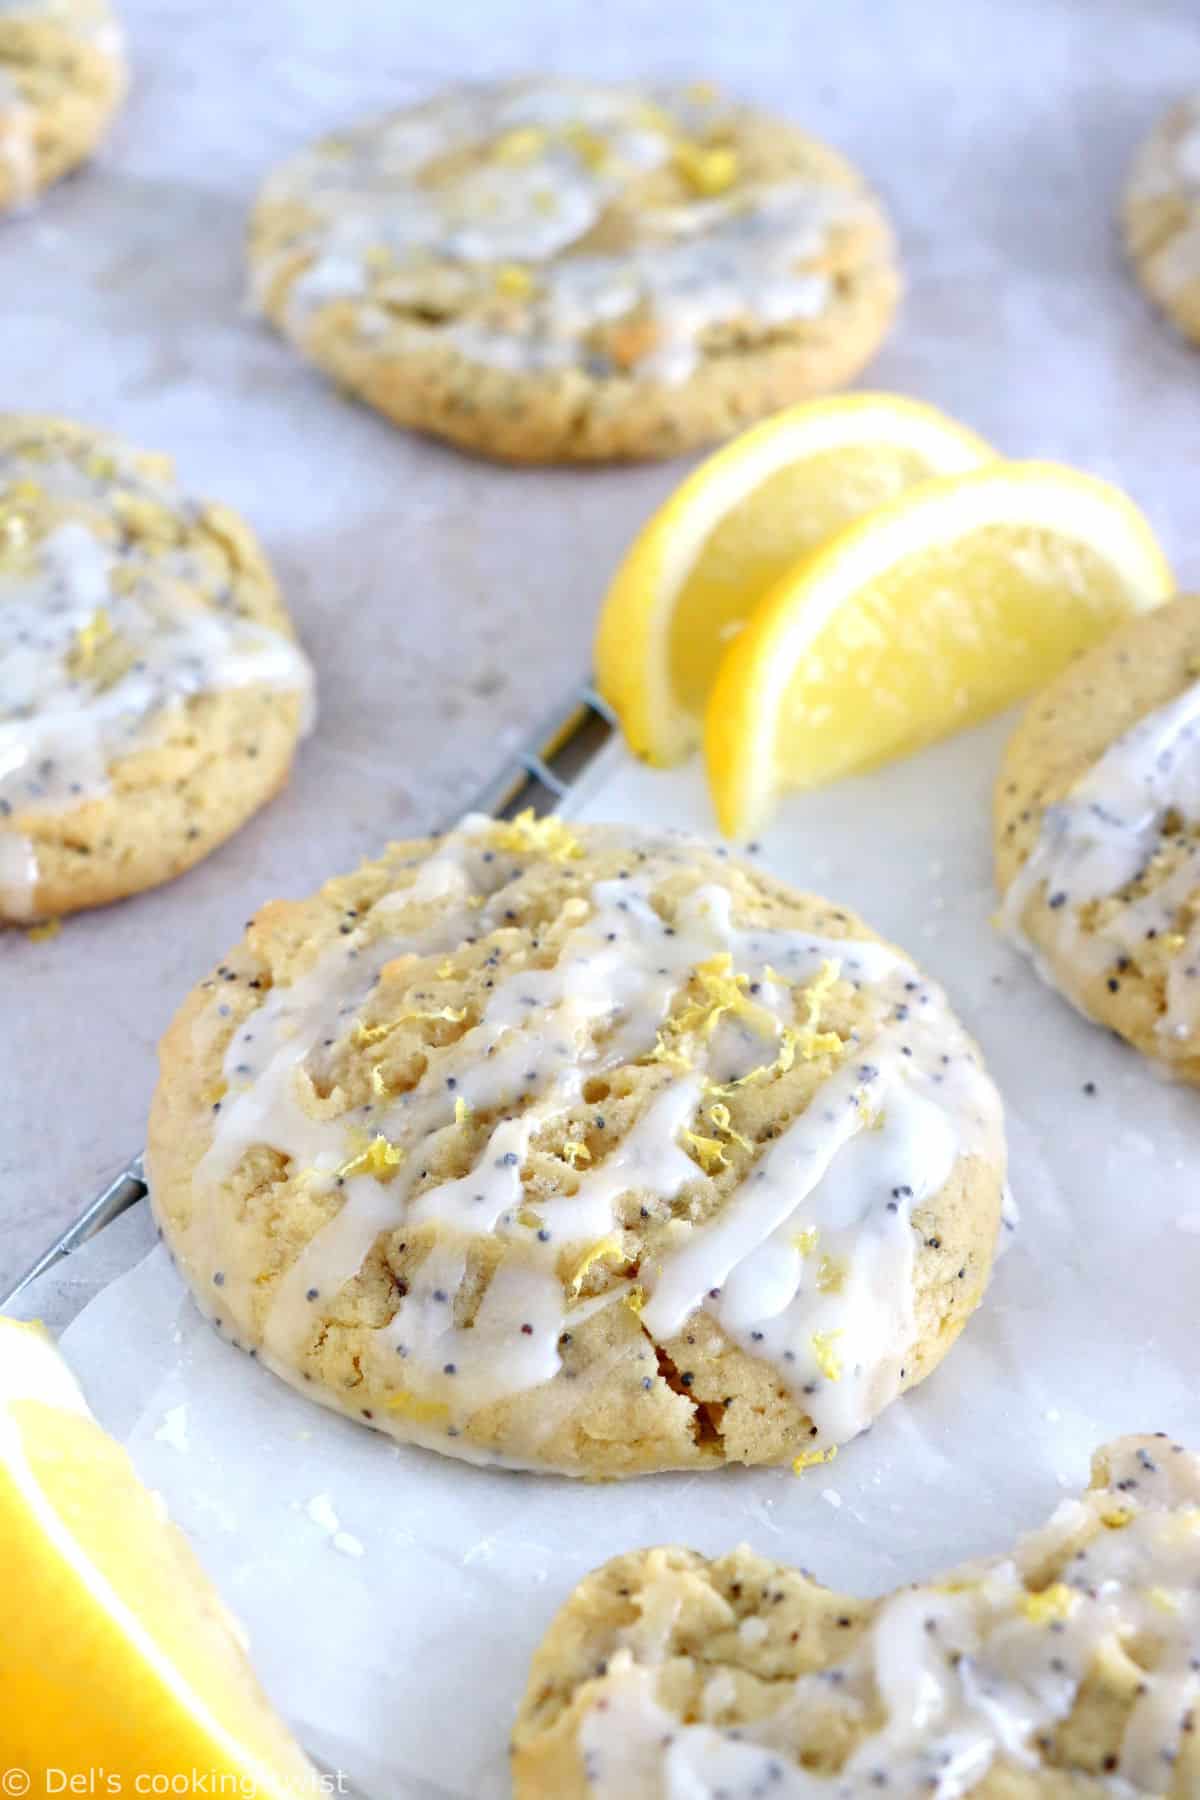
(381, 1159)
(813, 1042)
(520, 145)
(831, 1275)
(49, 928)
(1054, 1602)
(445, 969)
(588, 147)
(1116, 1518)
(719, 1114)
(826, 1359)
(708, 171)
(605, 1246)
(810, 1459)
(462, 1112)
(806, 1241)
(453, 1015)
(371, 1034)
(97, 630)
(1163, 1599)
(514, 281)
(635, 1298)
(411, 1406)
(575, 1152)
(378, 1084)
(550, 835)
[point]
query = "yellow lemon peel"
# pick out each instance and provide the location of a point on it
(1162, 1599)
(635, 1299)
(49, 928)
(806, 1241)
(378, 1085)
(810, 1459)
(1116, 1518)
(826, 1359)
(574, 1152)
(462, 1112)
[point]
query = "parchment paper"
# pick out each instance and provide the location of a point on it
(393, 1597)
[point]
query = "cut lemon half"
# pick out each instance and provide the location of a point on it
(929, 614)
(699, 568)
(118, 1655)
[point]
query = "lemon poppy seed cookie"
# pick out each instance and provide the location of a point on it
(1160, 215)
(1098, 834)
(62, 76)
(563, 271)
(580, 1151)
(151, 693)
(1068, 1669)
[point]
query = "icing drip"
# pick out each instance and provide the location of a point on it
(969, 1672)
(880, 1135)
(1101, 837)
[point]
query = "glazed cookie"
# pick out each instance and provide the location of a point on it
(62, 76)
(1098, 834)
(151, 694)
(579, 1151)
(1160, 215)
(1066, 1669)
(553, 271)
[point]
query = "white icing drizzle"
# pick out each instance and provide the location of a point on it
(880, 1136)
(969, 1672)
(717, 260)
(61, 727)
(1099, 838)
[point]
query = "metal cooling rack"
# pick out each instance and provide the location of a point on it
(538, 775)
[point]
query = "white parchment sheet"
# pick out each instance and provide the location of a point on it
(393, 1597)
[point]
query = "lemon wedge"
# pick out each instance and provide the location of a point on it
(934, 611)
(698, 569)
(118, 1655)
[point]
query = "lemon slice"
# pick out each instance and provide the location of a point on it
(929, 614)
(118, 1655)
(697, 570)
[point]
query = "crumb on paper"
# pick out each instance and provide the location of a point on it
(832, 1496)
(347, 1544)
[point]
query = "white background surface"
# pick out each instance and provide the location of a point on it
(446, 603)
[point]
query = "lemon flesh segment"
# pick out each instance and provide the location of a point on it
(117, 1650)
(925, 618)
(700, 567)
